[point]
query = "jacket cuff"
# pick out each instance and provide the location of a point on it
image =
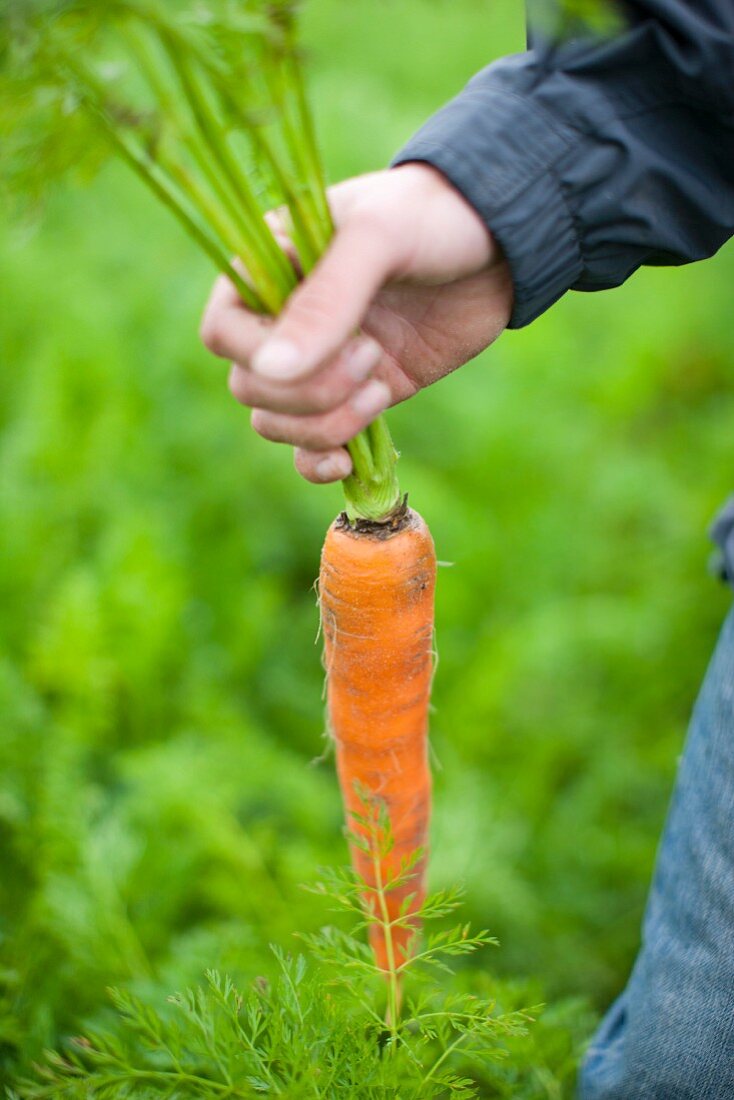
(499, 149)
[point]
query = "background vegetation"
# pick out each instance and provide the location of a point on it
(160, 689)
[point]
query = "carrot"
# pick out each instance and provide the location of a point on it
(376, 593)
(378, 570)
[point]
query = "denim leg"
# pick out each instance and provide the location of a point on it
(670, 1036)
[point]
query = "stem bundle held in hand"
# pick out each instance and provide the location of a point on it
(207, 106)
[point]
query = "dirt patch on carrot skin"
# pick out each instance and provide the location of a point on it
(400, 518)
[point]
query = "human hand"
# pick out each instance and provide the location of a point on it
(411, 267)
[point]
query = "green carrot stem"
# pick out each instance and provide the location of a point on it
(208, 209)
(227, 213)
(305, 121)
(293, 137)
(301, 133)
(309, 239)
(306, 237)
(393, 982)
(372, 490)
(156, 182)
(233, 187)
(94, 96)
(226, 222)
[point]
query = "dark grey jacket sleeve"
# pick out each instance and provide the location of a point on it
(595, 156)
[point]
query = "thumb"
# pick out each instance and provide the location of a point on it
(326, 309)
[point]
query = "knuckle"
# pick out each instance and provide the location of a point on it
(324, 436)
(312, 310)
(212, 333)
(238, 386)
(302, 462)
(309, 433)
(382, 228)
(373, 221)
(262, 424)
(322, 398)
(319, 441)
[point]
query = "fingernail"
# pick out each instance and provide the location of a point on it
(278, 359)
(334, 468)
(371, 399)
(362, 358)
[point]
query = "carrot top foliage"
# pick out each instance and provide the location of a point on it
(206, 104)
(316, 1029)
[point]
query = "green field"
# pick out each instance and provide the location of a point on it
(162, 795)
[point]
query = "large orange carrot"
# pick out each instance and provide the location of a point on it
(376, 593)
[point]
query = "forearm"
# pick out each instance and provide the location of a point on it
(591, 158)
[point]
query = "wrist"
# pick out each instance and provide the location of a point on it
(460, 239)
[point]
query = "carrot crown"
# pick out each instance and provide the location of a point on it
(207, 106)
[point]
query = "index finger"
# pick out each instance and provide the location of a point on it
(228, 328)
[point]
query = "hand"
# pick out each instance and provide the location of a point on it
(413, 268)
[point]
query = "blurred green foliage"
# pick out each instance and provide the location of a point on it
(160, 689)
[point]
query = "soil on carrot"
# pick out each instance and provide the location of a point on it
(399, 519)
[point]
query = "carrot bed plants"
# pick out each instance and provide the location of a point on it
(206, 106)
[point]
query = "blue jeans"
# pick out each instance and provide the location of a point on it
(670, 1036)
